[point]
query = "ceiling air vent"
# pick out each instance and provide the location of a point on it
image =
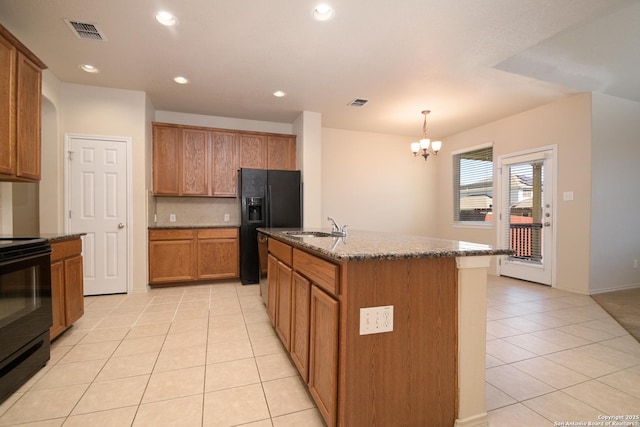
(83, 30)
(358, 102)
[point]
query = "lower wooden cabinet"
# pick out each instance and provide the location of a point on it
(323, 357)
(305, 317)
(67, 288)
(189, 255)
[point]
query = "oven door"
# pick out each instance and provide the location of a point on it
(25, 301)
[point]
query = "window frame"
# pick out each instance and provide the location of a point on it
(456, 188)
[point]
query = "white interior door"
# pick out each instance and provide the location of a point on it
(527, 215)
(98, 206)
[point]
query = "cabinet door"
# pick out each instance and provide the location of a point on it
(253, 151)
(217, 258)
(281, 152)
(300, 300)
(272, 287)
(283, 307)
(7, 106)
(28, 119)
(57, 299)
(73, 289)
(323, 358)
(166, 160)
(171, 261)
(195, 162)
(224, 173)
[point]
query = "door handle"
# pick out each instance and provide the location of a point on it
(121, 225)
(547, 224)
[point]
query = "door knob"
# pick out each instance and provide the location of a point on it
(121, 225)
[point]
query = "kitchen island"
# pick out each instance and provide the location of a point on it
(417, 358)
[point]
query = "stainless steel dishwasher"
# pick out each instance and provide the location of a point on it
(263, 250)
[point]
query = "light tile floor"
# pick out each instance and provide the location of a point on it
(207, 356)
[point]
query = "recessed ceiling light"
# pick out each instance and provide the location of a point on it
(323, 12)
(166, 18)
(279, 94)
(181, 80)
(89, 68)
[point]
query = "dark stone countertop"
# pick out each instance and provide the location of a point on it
(369, 245)
(51, 237)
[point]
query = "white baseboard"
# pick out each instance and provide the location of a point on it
(479, 420)
(615, 288)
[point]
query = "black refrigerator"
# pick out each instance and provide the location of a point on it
(270, 198)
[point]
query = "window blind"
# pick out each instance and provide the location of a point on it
(473, 185)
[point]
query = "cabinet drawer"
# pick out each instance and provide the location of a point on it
(317, 270)
(218, 233)
(280, 250)
(66, 249)
(173, 234)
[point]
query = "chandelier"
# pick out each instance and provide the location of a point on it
(425, 145)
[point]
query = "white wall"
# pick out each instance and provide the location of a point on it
(222, 122)
(101, 111)
(372, 182)
(308, 128)
(566, 123)
(615, 194)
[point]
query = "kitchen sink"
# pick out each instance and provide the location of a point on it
(307, 234)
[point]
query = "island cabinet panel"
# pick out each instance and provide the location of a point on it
(300, 314)
(224, 164)
(407, 376)
(323, 359)
(272, 288)
(283, 304)
(20, 104)
(166, 160)
(281, 152)
(67, 285)
(253, 151)
(323, 273)
(195, 162)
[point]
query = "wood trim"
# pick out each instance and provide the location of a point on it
(212, 129)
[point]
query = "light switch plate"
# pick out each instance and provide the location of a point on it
(172, 217)
(376, 320)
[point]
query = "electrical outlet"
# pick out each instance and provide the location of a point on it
(635, 263)
(172, 217)
(375, 320)
(226, 217)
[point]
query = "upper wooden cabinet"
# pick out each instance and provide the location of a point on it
(199, 161)
(281, 152)
(253, 151)
(20, 99)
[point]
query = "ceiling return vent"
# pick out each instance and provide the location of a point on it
(84, 30)
(358, 102)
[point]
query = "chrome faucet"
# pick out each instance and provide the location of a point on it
(336, 230)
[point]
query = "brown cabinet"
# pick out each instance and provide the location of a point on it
(218, 251)
(323, 357)
(171, 256)
(188, 255)
(253, 151)
(195, 163)
(20, 100)
(199, 161)
(305, 317)
(67, 290)
(281, 152)
(300, 310)
(224, 164)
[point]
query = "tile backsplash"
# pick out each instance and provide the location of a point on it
(196, 211)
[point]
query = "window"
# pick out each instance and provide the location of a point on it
(473, 185)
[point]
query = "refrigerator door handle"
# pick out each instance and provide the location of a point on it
(268, 207)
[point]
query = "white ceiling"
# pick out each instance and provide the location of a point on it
(469, 61)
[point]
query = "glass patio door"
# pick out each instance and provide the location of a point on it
(526, 216)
